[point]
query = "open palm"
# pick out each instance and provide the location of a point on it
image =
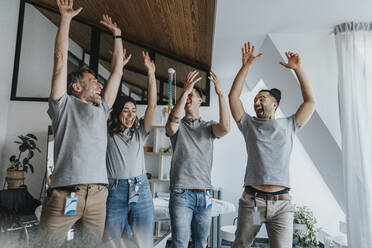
(66, 8)
(248, 54)
(294, 61)
(149, 64)
(217, 85)
(110, 24)
(191, 80)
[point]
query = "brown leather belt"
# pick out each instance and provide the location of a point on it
(268, 196)
(199, 190)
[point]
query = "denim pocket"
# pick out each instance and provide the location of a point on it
(112, 185)
(179, 191)
(145, 182)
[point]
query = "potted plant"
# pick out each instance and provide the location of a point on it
(304, 230)
(19, 164)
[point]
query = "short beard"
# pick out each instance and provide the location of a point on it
(97, 100)
(265, 115)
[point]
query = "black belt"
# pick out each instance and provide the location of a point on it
(70, 189)
(271, 196)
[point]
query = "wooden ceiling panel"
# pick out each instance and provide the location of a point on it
(180, 28)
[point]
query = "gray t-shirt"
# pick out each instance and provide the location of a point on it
(192, 155)
(125, 157)
(269, 146)
(80, 141)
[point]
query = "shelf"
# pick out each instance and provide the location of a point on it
(158, 181)
(158, 126)
(159, 153)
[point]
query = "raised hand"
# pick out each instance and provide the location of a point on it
(294, 61)
(191, 80)
(149, 63)
(248, 54)
(66, 8)
(126, 59)
(217, 85)
(110, 25)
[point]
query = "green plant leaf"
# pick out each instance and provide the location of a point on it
(25, 169)
(18, 142)
(31, 136)
(23, 147)
(23, 138)
(31, 168)
(30, 154)
(32, 143)
(25, 161)
(12, 158)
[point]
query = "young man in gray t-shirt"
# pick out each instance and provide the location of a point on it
(269, 144)
(79, 115)
(190, 176)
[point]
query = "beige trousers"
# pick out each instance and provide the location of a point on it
(91, 209)
(277, 216)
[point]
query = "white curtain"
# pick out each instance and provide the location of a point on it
(354, 52)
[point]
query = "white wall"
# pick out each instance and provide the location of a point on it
(23, 118)
(35, 75)
(8, 24)
(18, 117)
(319, 59)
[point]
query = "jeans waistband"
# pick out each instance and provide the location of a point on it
(133, 180)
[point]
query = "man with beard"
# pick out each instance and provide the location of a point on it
(79, 114)
(269, 144)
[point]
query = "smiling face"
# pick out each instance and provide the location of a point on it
(89, 90)
(128, 114)
(193, 101)
(265, 105)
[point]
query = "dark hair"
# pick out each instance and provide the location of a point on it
(114, 124)
(274, 93)
(199, 91)
(77, 76)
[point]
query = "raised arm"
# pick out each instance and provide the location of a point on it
(306, 109)
(236, 105)
(223, 127)
(151, 92)
(174, 119)
(117, 63)
(59, 81)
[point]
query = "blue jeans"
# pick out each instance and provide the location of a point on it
(129, 220)
(188, 212)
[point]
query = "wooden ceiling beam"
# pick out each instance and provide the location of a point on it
(181, 30)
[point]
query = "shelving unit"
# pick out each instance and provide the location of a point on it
(158, 163)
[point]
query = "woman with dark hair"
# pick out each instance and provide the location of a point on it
(130, 210)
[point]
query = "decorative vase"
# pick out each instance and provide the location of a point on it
(14, 178)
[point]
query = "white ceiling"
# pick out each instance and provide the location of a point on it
(242, 20)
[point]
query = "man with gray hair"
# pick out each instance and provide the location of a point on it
(79, 114)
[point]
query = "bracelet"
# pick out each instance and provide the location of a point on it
(117, 37)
